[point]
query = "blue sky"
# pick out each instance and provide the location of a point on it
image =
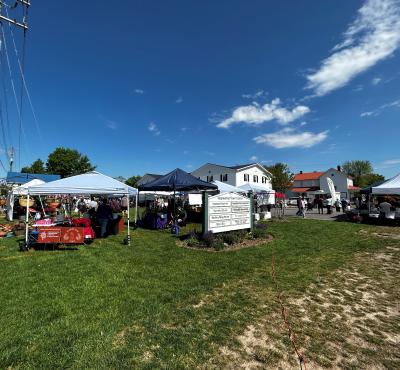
(148, 86)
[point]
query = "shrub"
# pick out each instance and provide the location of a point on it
(229, 238)
(260, 230)
(192, 241)
(218, 243)
(208, 239)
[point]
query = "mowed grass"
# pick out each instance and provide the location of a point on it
(155, 304)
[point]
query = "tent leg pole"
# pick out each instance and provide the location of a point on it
(129, 231)
(136, 205)
(26, 219)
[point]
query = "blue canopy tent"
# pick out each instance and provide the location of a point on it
(177, 180)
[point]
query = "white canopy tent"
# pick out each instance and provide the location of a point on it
(256, 188)
(226, 188)
(90, 183)
(18, 190)
(389, 187)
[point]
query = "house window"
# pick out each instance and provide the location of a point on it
(223, 177)
(255, 178)
(246, 177)
(210, 178)
(264, 180)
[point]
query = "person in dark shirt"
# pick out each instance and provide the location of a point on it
(104, 213)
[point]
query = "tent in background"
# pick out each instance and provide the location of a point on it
(223, 187)
(256, 188)
(389, 187)
(23, 189)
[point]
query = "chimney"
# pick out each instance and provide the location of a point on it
(339, 168)
(301, 172)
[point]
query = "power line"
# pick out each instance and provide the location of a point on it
(21, 68)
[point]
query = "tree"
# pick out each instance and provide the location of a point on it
(132, 181)
(68, 162)
(357, 169)
(35, 167)
(370, 179)
(120, 178)
(282, 177)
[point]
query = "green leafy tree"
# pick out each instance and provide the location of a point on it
(68, 162)
(282, 179)
(357, 169)
(120, 178)
(132, 181)
(369, 179)
(35, 167)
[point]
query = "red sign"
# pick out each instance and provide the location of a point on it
(49, 234)
(72, 235)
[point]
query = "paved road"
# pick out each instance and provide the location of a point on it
(334, 216)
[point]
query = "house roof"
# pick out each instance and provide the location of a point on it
(308, 175)
(240, 166)
(300, 190)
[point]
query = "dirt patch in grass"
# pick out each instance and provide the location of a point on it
(248, 243)
(350, 319)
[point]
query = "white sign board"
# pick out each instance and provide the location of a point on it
(228, 211)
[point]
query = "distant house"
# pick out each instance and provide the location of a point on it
(148, 177)
(20, 178)
(308, 182)
(252, 173)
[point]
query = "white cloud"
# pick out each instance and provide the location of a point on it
(179, 100)
(375, 81)
(289, 138)
(253, 158)
(256, 95)
(366, 114)
(152, 127)
(206, 152)
(391, 162)
(138, 91)
(112, 125)
(377, 111)
(373, 36)
(303, 123)
(256, 115)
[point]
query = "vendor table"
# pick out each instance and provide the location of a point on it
(60, 234)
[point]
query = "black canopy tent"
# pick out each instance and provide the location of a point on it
(177, 180)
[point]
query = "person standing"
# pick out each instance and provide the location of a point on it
(124, 204)
(299, 205)
(328, 206)
(320, 205)
(303, 207)
(104, 213)
(344, 205)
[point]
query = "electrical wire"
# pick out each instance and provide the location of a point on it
(21, 68)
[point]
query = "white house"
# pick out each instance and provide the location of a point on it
(252, 173)
(308, 182)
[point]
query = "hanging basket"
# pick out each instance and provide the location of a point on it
(23, 202)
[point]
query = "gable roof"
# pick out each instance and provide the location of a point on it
(308, 176)
(237, 167)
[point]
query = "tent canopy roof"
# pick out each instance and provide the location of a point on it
(223, 187)
(23, 189)
(256, 188)
(88, 183)
(178, 180)
(389, 187)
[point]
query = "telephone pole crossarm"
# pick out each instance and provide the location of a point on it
(14, 22)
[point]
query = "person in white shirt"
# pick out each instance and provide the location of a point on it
(93, 204)
(384, 207)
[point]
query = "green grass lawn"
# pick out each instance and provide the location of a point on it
(154, 304)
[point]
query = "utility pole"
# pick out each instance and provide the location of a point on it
(21, 24)
(11, 158)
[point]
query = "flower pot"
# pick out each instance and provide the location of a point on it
(23, 202)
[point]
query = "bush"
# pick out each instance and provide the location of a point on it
(192, 242)
(209, 239)
(260, 230)
(229, 238)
